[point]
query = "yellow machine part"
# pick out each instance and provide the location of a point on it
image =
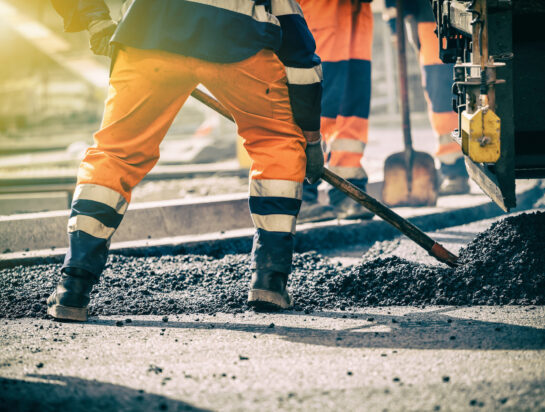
(481, 135)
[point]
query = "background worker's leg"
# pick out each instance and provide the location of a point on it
(147, 89)
(255, 92)
(437, 82)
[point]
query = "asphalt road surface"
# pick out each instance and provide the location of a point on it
(389, 358)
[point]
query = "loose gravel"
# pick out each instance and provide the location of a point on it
(502, 265)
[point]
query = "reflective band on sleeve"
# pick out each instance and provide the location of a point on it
(246, 7)
(101, 194)
(284, 7)
(91, 226)
(304, 76)
(347, 145)
(349, 172)
(275, 223)
(276, 188)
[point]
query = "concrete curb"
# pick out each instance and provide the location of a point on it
(151, 220)
(142, 221)
(322, 236)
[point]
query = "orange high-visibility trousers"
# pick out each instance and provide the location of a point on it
(344, 34)
(147, 89)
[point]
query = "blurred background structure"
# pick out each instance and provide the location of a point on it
(52, 91)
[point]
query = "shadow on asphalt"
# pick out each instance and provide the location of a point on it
(429, 330)
(66, 393)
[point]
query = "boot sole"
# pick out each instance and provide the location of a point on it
(67, 313)
(267, 300)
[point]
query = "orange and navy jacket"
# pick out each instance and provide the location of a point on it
(221, 31)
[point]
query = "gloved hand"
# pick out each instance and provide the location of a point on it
(100, 33)
(315, 158)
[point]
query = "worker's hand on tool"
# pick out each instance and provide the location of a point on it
(100, 33)
(315, 156)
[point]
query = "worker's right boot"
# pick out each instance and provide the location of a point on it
(70, 299)
(268, 292)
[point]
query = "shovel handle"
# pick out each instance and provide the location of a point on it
(403, 225)
(403, 82)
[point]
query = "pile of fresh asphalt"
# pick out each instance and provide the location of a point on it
(502, 265)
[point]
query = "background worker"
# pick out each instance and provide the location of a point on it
(343, 30)
(258, 60)
(437, 83)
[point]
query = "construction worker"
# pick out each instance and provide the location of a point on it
(257, 58)
(437, 83)
(343, 30)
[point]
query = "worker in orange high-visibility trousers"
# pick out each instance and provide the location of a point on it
(258, 59)
(437, 82)
(343, 30)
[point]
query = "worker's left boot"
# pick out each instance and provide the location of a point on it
(268, 291)
(454, 179)
(70, 299)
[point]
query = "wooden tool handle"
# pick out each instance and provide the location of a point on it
(403, 82)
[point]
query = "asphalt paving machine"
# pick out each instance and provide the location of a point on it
(498, 47)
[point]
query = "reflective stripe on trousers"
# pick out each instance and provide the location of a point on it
(274, 205)
(96, 213)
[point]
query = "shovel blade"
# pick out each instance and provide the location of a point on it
(422, 191)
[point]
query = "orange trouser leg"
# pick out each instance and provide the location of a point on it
(437, 82)
(147, 88)
(255, 92)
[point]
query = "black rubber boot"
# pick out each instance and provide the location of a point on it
(268, 292)
(70, 299)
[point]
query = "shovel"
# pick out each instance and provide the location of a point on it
(410, 177)
(404, 226)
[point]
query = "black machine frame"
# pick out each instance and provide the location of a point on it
(510, 32)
